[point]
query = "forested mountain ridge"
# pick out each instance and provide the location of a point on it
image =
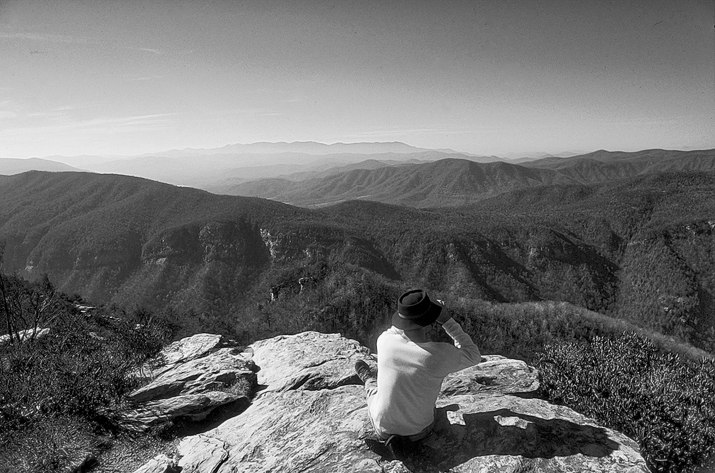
(457, 181)
(94, 233)
(602, 165)
(641, 248)
(447, 182)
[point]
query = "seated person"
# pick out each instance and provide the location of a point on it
(410, 368)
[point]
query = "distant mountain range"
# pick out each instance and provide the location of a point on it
(302, 147)
(207, 171)
(451, 182)
(314, 174)
(214, 168)
(9, 166)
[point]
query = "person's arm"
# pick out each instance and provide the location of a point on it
(469, 351)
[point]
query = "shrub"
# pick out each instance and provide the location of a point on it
(80, 369)
(58, 444)
(59, 392)
(664, 402)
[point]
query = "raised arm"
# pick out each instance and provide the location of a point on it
(469, 352)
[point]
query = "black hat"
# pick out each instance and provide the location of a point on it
(415, 310)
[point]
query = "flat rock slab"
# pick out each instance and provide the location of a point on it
(494, 374)
(329, 431)
(308, 360)
(493, 432)
(294, 431)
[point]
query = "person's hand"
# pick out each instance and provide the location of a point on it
(444, 315)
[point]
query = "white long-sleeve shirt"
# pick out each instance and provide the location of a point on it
(409, 377)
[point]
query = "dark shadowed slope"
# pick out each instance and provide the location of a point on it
(49, 199)
(104, 234)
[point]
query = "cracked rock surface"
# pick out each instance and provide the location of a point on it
(195, 378)
(310, 415)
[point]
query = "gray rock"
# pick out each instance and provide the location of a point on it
(26, 335)
(158, 464)
(198, 376)
(298, 430)
(191, 348)
(201, 453)
(310, 417)
(214, 371)
(181, 351)
(503, 433)
(308, 360)
(193, 407)
(494, 374)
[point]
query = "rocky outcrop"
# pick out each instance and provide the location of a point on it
(310, 415)
(25, 335)
(194, 376)
(308, 361)
(494, 374)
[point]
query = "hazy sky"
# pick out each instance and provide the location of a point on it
(488, 77)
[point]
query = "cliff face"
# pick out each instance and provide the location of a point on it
(309, 414)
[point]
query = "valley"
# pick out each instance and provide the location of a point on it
(637, 248)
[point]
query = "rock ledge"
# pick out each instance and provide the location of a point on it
(310, 415)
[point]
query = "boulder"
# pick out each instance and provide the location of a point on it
(179, 352)
(219, 369)
(194, 407)
(192, 347)
(202, 453)
(308, 360)
(312, 416)
(494, 374)
(25, 335)
(159, 464)
(198, 374)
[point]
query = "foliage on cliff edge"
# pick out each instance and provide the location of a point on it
(664, 402)
(58, 392)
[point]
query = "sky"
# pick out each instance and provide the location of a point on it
(490, 77)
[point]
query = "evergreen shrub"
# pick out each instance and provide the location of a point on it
(664, 402)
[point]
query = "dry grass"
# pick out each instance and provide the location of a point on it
(67, 444)
(128, 454)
